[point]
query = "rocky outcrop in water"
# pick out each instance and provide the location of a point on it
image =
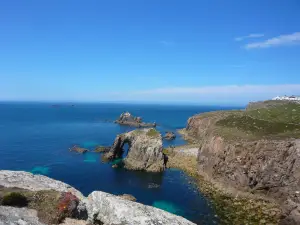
(127, 119)
(170, 135)
(101, 207)
(102, 149)
(78, 149)
(145, 150)
(257, 150)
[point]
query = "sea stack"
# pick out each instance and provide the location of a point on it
(127, 119)
(145, 150)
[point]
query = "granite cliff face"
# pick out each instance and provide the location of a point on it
(101, 207)
(145, 150)
(257, 150)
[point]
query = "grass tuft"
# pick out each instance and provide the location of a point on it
(153, 133)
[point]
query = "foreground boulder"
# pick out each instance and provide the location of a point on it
(101, 207)
(110, 209)
(130, 120)
(18, 216)
(145, 150)
(255, 150)
(170, 135)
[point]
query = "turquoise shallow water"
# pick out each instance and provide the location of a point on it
(37, 138)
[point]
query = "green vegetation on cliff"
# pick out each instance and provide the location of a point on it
(276, 120)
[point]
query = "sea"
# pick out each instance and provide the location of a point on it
(36, 137)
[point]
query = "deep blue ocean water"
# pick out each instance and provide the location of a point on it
(36, 137)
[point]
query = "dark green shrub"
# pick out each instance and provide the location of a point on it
(14, 199)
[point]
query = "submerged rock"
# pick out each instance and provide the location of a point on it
(145, 150)
(78, 149)
(170, 135)
(101, 207)
(127, 119)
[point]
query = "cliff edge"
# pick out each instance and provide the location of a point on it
(255, 150)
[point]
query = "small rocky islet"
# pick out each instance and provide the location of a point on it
(245, 161)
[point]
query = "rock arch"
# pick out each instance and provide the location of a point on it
(145, 150)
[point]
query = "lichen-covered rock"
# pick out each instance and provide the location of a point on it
(109, 209)
(127, 119)
(25, 180)
(145, 150)
(101, 207)
(18, 216)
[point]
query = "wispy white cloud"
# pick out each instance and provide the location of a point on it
(249, 36)
(212, 94)
(167, 43)
(282, 40)
(232, 89)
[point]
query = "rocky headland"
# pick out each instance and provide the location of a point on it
(251, 161)
(144, 153)
(37, 200)
(127, 119)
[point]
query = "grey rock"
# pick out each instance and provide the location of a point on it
(110, 209)
(101, 206)
(145, 150)
(18, 216)
(25, 180)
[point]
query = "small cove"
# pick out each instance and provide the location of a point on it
(38, 137)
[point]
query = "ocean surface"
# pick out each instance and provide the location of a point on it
(36, 137)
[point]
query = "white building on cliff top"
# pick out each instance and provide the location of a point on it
(287, 98)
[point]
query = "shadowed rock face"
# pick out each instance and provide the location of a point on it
(268, 164)
(145, 150)
(130, 120)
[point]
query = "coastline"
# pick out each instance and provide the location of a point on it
(232, 206)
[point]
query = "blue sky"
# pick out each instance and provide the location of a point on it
(194, 51)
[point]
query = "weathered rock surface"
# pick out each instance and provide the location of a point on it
(267, 165)
(110, 209)
(18, 216)
(170, 135)
(28, 181)
(102, 208)
(128, 197)
(130, 120)
(145, 150)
